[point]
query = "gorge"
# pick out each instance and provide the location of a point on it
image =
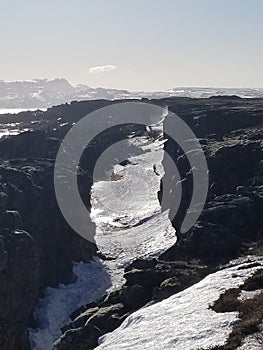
(40, 255)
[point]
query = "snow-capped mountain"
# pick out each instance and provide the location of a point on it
(43, 93)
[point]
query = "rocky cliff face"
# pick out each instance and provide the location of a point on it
(37, 245)
(230, 131)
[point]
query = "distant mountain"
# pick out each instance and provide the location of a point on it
(43, 93)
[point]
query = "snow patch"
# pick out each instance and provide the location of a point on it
(183, 321)
(54, 308)
(127, 213)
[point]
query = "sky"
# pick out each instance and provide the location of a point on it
(134, 44)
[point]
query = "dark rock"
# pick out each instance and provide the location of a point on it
(148, 279)
(210, 242)
(3, 201)
(81, 319)
(167, 288)
(3, 256)
(82, 309)
(19, 286)
(84, 338)
(140, 264)
(125, 162)
(11, 219)
(134, 297)
(101, 318)
(101, 321)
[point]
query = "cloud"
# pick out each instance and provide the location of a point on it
(102, 69)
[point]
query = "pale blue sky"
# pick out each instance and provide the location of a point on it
(154, 44)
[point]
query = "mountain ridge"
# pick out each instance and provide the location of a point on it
(44, 93)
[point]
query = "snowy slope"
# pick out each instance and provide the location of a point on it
(184, 321)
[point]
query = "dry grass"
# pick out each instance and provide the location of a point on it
(227, 302)
(250, 311)
(254, 282)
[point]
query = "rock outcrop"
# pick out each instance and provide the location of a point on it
(232, 138)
